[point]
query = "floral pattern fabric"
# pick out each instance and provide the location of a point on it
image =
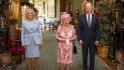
(65, 45)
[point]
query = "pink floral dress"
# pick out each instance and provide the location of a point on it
(65, 45)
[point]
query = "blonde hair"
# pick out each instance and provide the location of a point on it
(30, 10)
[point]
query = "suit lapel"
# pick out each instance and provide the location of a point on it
(85, 20)
(92, 20)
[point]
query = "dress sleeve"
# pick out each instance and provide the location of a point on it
(73, 33)
(22, 33)
(58, 37)
(40, 31)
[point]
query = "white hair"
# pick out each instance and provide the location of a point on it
(88, 3)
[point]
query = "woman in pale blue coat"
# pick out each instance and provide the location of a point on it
(31, 38)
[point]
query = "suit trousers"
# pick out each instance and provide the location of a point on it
(91, 49)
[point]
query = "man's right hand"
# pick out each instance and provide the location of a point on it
(81, 42)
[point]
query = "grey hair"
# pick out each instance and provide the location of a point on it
(87, 3)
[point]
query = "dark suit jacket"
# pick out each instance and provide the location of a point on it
(88, 34)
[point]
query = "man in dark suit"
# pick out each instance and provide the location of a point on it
(88, 34)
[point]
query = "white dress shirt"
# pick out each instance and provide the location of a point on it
(90, 19)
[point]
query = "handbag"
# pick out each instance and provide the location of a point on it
(17, 49)
(13, 50)
(20, 50)
(74, 50)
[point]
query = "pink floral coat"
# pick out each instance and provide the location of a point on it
(65, 45)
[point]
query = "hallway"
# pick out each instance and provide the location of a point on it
(49, 56)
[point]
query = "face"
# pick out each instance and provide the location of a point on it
(30, 15)
(67, 20)
(88, 8)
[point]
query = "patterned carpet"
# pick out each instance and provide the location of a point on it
(49, 56)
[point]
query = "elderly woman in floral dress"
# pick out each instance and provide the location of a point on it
(65, 35)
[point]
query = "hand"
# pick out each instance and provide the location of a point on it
(38, 45)
(81, 42)
(96, 43)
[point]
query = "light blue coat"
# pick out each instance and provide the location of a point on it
(31, 29)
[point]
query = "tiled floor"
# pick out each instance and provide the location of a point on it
(49, 56)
